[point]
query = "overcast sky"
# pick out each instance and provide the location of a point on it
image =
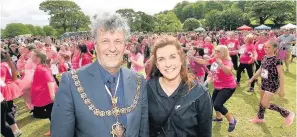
(27, 11)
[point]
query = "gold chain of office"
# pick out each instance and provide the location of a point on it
(115, 111)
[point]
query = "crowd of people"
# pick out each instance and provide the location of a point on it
(177, 69)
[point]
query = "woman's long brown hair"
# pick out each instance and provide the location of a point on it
(164, 41)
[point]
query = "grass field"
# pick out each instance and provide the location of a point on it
(242, 105)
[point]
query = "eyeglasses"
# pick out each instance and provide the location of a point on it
(217, 51)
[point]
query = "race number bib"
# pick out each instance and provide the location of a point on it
(260, 46)
(241, 51)
(230, 46)
(264, 73)
(206, 51)
(214, 67)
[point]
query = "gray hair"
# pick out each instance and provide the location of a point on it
(111, 22)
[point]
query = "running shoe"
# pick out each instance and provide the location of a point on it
(256, 120)
(232, 126)
(217, 120)
(290, 119)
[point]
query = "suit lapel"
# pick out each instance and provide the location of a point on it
(130, 84)
(96, 91)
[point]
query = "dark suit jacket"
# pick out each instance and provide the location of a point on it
(72, 118)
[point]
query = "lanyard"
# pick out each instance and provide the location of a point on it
(108, 91)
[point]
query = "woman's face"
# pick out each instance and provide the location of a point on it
(62, 47)
(168, 62)
(269, 49)
(22, 50)
(218, 54)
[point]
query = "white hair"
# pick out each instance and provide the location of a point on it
(111, 22)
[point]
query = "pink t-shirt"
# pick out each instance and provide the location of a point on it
(223, 41)
(232, 46)
(40, 95)
(198, 69)
(246, 53)
(137, 57)
(199, 43)
(5, 72)
(260, 50)
(220, 79)
(208, 48)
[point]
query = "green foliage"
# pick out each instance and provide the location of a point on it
(32, 29)
(167, 23)
(191, 24)
(40, 31)
(48, 30)
(278, 11)
(138, 21)
(14, 29)
(65, 14)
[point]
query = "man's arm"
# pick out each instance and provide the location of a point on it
(63, 119)
(144, 125)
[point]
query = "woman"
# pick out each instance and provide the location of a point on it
(198, 69)
(178, 107)
(64, 58)
(43, 88)
(223, 83)
(233, 45)
(11, 90)
(85, 57)
(272, 79)
(248, 55)
(6, 131)
(137, 60)
(260, 50)
(27, 72)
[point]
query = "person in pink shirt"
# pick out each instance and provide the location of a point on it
(27, 74)
(223, 83)
(208, 47)
(137, 60)
(260, 49)
(64, 58)
(248, 56)
(233, 45)
(43, 87)
(85, 57)
(9, 89)
(75, 56)
(198, 69)
(223, 40)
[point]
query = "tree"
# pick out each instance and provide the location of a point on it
(40, 31)
(79, 20)
(61, 12)
(190, 24)
(138, 21)
(213, 5)
(231, 18)
(178, 9)
(167, 23)
(286, 12)
(261, 10)
(14, 29)
(32, 29)
(213, 19)
(48, 30)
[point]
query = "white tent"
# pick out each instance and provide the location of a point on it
(289, 26)
(199, 29)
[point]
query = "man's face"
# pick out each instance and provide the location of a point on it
(110, 49)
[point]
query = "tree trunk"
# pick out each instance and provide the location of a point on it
(261, 20)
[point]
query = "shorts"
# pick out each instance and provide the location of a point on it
(293, 56)
(43, 112)
(269, 85)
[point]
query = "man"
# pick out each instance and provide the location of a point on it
(102, 99)
(286, 40)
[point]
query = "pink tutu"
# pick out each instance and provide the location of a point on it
(26, 81)
(282, 54)
(11, 91)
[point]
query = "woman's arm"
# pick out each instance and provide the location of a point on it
(199, 61)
